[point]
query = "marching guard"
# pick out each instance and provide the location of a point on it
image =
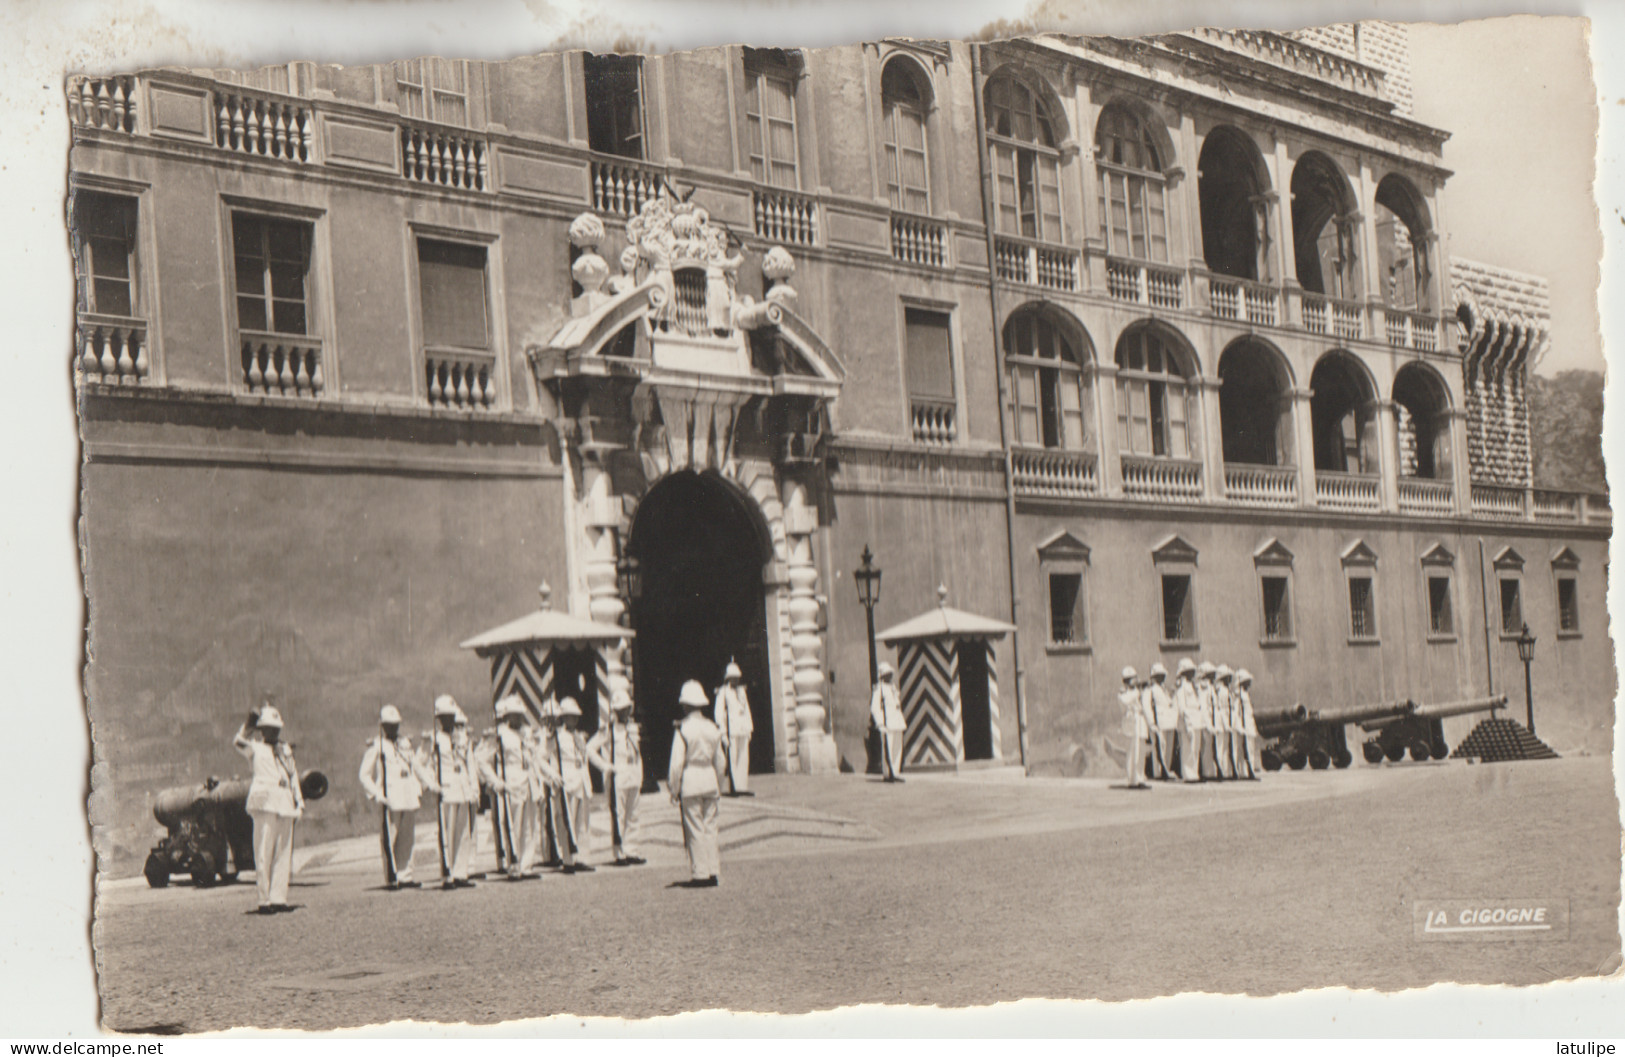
(694, 781)
(1135, 704)
(390, 777)
(732, 717)
(452, 774)
(1207, 768)
(886, 712)
(1165, 720)
(614, 751)
(274, 803)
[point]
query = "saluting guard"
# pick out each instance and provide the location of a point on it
(389, 776)
(1191, 724)
(1135, 705)
(732, 716)
(1249, 725)
(575, 790)
(694, 781)
(507, 770)
(614, 751)
(274, 803)
(1165, 720)
(886, 711)
(450, 772)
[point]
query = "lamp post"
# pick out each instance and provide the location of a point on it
(1526, 653)
(867, 579)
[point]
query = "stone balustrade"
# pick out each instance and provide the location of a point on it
(459, 379)
(1334, 318)
(1162, 480)
(1054, 474)
(1036, 263)
(1145, 284)
(263, 125)
(281, 364)
(1244, 301)
(106, 103)
(620, 187)
(1499, 502)
(1306, 59)
(1421, 495)
(785, 216)
(919, 240)
(1556, 506)
(112, 349)
(445, 155)
(1411, 330)
(1347, 491)
(1254, 485)
(933, 421)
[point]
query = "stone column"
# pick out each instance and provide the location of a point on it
(1212, 438)
(813, 744)
(1303, 448)
(1110, 470)
(598, 551)
(1461, 470)
(1387, 454)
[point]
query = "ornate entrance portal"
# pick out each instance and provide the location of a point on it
(702, 548)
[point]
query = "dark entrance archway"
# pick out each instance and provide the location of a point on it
(701, 545)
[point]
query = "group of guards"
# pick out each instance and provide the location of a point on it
(1200, 729)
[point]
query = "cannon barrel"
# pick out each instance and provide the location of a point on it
(1443, 710)
(1364, 713)
(1281, 718)
(172, 804)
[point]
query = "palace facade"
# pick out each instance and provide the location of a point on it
(1149, 347)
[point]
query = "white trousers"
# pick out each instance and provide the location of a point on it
(1190, 753)
(891, 751)
(1136, 760)
(1222, 760)
(624, 804)
(739, 762)
(516, 829)
(580, 802)
(396, 836)
(273, 856)
(457, 829)
(700, 836)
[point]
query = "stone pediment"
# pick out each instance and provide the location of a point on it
(1273, 552)
(1565, 559)
(1357, 553)
(1174, 549)
(1509, 559)
(1063, 547)
(1438, 554)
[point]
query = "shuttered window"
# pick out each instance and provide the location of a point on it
(451, 278)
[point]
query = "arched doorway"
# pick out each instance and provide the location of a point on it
(701, 545)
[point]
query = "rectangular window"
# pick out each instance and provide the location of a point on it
(1178, 608)
(1511, 607)
(1440, 619)
(451, 280)
(1066, 626)
(272, 260)
(1134, 215)
(907, 179)
(104, 240)
(1568, 605)
(1277, 609)
(929, 354)
(1362, 608)
(770, 123)
(614, 86)
(434, 89)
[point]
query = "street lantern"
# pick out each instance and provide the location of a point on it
(1526, 653)
(867, 579)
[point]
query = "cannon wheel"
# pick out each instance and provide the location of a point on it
(1270, 759)
(1296, 761)
(1343, 759)
(203, 870)
(157, 871)
(1420, 751)
(1320, 759)
(1395, 753)
(1373, 752)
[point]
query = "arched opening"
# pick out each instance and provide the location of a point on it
(1402, 245)
(1156, 395)
(905, 93)
(1422, 415)
(1046, 352)
(701, 546)
(1133, 192)
(1230, 187)
(1255, 404)
(1024, 137)
(1323, 228)
(1342, 415)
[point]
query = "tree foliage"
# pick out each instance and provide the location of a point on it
(1565, 431)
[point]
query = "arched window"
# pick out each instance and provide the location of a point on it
(1402, 245)
(1255, 408)
(1026, 162)
(906, 99)
(1156, 397)
(1324, 228)
(1235, 219)
(1046, 354)
(1421, 413)
(1341, 412)
(1133, 199)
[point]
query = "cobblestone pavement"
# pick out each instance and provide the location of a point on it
(951, 890)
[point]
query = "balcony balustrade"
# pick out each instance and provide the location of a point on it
(1421, 495)
(1162, 480)
(1328, 316)
(112, 349)
(1145, 284)
(1036, 263)
(1499, 502)
(106, 103)
(1243, 301)
(446, 156)
(1556, 506)
(919, 240)
(281, 364)
(1347, 491)
(1053, 474)
(1251, 485)
(1411, 330)
(620, 187)
(785, 216)
(933, 421)
(460, 378)
(263, 125)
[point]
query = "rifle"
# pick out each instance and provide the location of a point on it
(512, 855)
(389, 837)
(439, 809)
(564, 801)
(728, 737)
(609, 787)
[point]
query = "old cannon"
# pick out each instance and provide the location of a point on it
(207, 821)
(1421, 731)
(1299, 737)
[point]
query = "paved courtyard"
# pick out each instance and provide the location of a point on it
(950, 890)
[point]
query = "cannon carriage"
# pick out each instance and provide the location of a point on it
(209, 827)
(1420, 732)
(1297, 737)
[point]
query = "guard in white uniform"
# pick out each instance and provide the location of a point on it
(570, 746)
(449, 771)
(1224, 765)
(274, 803)
(1165, 721)
(886, 711)
(694, 781)
(1191, 722)
(732, 716)
(1135, 724)
(389, 777)
(507, 769)
(1249, 725)
(615, 752)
